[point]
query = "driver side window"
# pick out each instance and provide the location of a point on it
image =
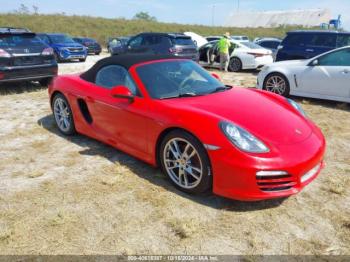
(136, 42)
(115, 75)
(338, 58)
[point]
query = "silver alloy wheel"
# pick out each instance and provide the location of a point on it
(183, 163)
(276, 84)
(62, 114)
(235, 64)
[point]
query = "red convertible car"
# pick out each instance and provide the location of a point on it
(240, 143)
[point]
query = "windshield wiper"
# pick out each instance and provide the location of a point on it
(180, 95)
(221, 88)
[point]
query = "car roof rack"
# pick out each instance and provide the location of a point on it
(6, 30)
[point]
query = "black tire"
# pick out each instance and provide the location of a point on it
(82, 59)
(97, 53)
(45, 81)
(71, 130)
(286, 90)
(235, 64)
(205, 180)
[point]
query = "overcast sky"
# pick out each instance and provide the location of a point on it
(179, 11)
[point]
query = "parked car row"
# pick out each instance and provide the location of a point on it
(175, 44)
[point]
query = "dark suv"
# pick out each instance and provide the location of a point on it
(23, 56)
(91, 44)
(309, 43)
(163, 43)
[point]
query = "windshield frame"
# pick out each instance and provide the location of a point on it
(146, 93)
(66, 37)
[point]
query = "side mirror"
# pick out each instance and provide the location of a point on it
(122, 92)
(216, 76)
(314, 62)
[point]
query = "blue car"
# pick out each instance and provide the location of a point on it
(65, 48)
(305, 44)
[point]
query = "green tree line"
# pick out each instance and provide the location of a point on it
(102, 28)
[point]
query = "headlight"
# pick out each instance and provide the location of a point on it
(296, 106)
(243, 139)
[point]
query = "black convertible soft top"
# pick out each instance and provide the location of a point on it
(126, 61)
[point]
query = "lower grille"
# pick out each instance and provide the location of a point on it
(275, 182)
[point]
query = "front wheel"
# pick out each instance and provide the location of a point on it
(63, 115)
(235, 64)
(277, 83)
(185, 161)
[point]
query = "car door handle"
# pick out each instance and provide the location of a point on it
(90, 99)
(309, 50)
(345, 71)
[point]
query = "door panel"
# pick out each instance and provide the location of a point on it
(330, 76)
(326, 80)
(120, 122)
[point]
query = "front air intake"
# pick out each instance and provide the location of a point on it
(274, 181)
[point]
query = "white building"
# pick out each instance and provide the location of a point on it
(306, 18)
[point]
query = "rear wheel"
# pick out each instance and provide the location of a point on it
(185, 161)
(63, 115)
(277, 83)
(235, 64)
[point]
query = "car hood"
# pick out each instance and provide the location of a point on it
(261, 114)
(63, 45)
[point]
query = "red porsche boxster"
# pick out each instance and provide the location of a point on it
(240, 143)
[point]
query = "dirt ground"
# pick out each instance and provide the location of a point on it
(75, 195)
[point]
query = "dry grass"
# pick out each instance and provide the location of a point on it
(77, 196)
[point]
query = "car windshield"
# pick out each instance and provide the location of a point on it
(60, 39)
(183, 41)
(89, 40)
(19, 41)
(177, 78)
(251, 45)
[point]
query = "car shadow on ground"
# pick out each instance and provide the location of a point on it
(153, 175)
(11, 88)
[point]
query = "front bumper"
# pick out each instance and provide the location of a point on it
(94, 49)
(260, 79)
(24, 73)
(236, 176)
(262, 61)
(68, 55)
